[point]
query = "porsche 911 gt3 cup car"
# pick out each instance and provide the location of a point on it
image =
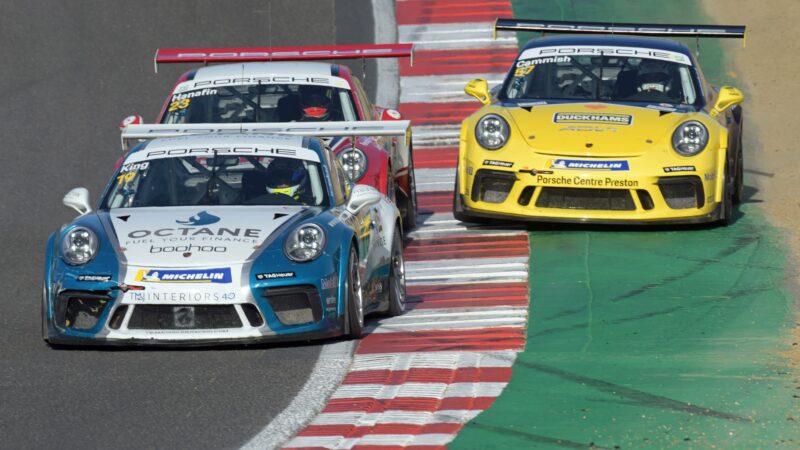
(607, 129)
(282, 85)
(223, 238)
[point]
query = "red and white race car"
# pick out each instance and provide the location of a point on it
(281, 85)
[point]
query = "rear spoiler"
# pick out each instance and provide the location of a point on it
(634, 29)
(255, 54)
(318, 129)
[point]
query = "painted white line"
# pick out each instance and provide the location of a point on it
(419, 390)
(395, 416)
(484, 265)
(500, 322)
(432, 180)
(433, 360)
(442, 88)
(454, 36)
(388, 88)
(445, 319)
(331, 367)
(395, 440)
(436, 135)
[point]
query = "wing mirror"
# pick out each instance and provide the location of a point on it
(362, 196)
(479, 88)
(130, 120)
(728, 96)
(78, 199)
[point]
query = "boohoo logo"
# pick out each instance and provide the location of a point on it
(201, 218)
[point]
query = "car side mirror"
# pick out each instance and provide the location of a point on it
(479, 88)
(728, 96)
(130, 120)
(362, 196)
(78, 199)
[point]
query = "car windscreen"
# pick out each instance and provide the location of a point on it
(217, 180)
(597, 74)
(261, 103)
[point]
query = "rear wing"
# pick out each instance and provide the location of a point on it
(633, 29)
(256, 54)
(317, 129)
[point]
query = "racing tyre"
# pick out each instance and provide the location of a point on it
(738, 191)
(458, 208)
(44, 314)
(410, 216)
(355, 299)
(397, 277)
(726, 217)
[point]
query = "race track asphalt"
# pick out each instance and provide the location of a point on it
(69, 71)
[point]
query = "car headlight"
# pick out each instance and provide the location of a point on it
(79, 246)
(305, 243)
(354, 163)
(690, 138)
(492, 132)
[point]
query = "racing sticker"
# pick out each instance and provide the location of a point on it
(629, 52)
(616, 119)
(494, 162)
(94, 277)
(274, 275)
(331, 282)
(190, 95)
(222, 275)
(133, 167)
(672, 169)
(579, 164)
(579, 181)
(178, 104)
(525, 66)
(181, 297)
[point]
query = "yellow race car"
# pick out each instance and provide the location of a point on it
(610, 128)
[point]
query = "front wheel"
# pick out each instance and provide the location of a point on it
(726, 218)
(355, 299)
(45, 333)
(397, 277)
(738, 191)
(458, 208)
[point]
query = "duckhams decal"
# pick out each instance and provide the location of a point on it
(616, 119)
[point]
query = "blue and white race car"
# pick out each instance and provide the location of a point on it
(223, 238)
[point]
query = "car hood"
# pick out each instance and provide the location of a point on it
(197, 236)
(595, 129)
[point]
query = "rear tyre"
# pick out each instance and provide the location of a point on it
(410, 217)
(355, 299)
(397, 277)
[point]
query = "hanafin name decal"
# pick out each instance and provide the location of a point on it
(185, 276)
(615, 119)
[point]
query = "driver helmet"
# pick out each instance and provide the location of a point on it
(315, 103)
(653, 76)
(286, 176)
